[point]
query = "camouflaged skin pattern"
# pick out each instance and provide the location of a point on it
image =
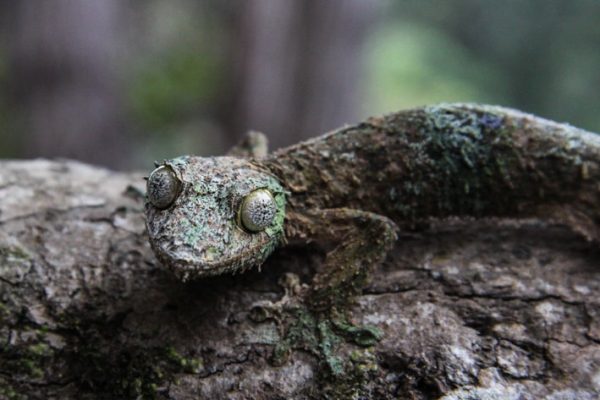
(200, 233)
(449, 160)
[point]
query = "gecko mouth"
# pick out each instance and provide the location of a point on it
(185, 261)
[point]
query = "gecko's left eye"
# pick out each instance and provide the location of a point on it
(258, 210)
(163, 187)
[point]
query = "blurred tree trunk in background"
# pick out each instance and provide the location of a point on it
(298, 72)
(63, 55)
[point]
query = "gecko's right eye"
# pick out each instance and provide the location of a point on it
(258, 210)
(163, 187)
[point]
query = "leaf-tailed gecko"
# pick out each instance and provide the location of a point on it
(356, 186)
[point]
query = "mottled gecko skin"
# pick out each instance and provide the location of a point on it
(355, 186)
(199, 234)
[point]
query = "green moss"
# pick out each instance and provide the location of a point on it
(465, 158)
(14, 253)
(27, 359)
(307, 333)
(328, 343)
(360, 372)
(300, 334)
(8, 392)
(189, 365)
(192, 233)
(129, 372)
(40, 349)
(276, 229)
(3, 310)
(323, 336)
(363, 336)
(97, 360)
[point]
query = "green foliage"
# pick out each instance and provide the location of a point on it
(166, 90)
(412, 65)
(543, 54)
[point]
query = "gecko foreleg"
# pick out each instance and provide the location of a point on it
(360, 241)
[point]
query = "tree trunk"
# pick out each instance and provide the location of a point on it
(64, 59)
(488, 310)
(298, 66)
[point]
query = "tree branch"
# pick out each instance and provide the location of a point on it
(485, 309)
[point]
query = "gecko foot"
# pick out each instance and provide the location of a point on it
(316, 318)
(321, 332)
(326, 335)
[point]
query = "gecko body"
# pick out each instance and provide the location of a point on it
(356, 186)
(434, 162)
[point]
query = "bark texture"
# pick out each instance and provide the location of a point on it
(486, 310)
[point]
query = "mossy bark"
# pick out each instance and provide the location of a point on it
(450, 160)
(486, 310)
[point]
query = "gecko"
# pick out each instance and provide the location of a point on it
(355, 188)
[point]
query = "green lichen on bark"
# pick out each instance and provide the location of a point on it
(27, 360)
(96, 360)
(130, 372)
(344, 374)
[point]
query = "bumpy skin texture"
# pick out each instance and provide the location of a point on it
(400, 169)
(449, 160)
(200, 234)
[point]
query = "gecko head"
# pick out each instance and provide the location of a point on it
(209, 216)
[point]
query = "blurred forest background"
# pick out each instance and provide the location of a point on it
(123, 82)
